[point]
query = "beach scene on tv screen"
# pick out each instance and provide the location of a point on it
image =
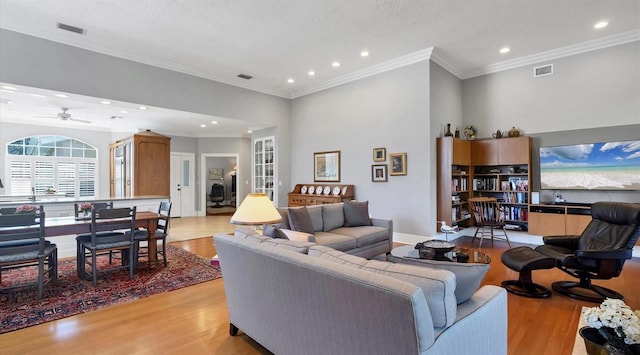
(596, 166)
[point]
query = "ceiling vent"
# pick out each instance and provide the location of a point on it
(543, 70)
(70, 28)
(245, 76)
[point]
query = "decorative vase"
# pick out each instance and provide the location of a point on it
(514, 132)
(596, 344)
(457, 134)
(448, 133)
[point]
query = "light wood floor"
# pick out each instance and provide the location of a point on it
(194, 320)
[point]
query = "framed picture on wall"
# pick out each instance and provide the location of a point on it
(379, 154)
(379, 173)
(326, 166)
(215, 173)
(398, 163)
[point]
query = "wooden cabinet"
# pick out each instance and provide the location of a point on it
(140, 165)
(264, 178)
(504, 151)
(302, 196)
(454, 180)
(547, 220)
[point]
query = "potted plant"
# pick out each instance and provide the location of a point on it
(613, 326)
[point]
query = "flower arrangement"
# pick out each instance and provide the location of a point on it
(86, 207)
(26, 209)
(50, 190)
(470, 132)
(616, 322)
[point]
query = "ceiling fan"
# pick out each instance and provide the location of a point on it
(64, 116)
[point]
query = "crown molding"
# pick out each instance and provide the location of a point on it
(599, 43)
(395, 63)
(442, 60)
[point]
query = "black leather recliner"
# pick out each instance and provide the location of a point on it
(598, 253)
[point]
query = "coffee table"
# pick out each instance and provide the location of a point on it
(475, 256)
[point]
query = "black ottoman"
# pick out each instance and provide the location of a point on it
(525, 260)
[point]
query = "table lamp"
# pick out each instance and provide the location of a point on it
(256, 209)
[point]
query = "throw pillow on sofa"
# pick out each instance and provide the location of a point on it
(468, 275)
(332, 216)
(272, 231)
(299, 220)
(356, 214)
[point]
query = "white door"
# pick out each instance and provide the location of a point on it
(182, 190)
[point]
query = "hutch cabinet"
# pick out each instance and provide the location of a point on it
(140, 165)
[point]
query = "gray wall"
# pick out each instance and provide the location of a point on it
(593, 89)
(389, 110)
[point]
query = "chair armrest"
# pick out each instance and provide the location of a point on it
(616, 254)
(299, 236)
(564, 241)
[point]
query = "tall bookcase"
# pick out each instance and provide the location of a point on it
(454, 181)
(497, 168)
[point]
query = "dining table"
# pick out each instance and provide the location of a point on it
(58, 226)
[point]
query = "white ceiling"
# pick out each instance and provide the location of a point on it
(274, 40)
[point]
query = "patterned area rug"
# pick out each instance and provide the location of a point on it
(19, 307)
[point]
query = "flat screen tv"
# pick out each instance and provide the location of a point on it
(595, 166)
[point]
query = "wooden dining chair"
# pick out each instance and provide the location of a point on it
(489, 217)
(111, 230)
(160, 235)
(22, 244)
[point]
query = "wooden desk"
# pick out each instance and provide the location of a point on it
(58, 226)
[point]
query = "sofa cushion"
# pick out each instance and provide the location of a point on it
(315, 213)
(297, 236)
(332, 216)
(297, 246)
(335, 241)
(437, 285)
(365, 235)
(356, 213)
(468, 275)
(299, 220)
(271, 231)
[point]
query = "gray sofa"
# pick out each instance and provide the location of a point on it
(297, 297)
(342, 226)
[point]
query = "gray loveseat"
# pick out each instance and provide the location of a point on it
(302, 298)
(342, 226)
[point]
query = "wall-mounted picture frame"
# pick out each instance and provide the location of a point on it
(379, 173)
(326, 166)
(379, 154)
(398, 164)
(215, 173)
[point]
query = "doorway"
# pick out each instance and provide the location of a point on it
(182, 180)
(219, 175)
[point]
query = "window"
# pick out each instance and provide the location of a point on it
(41, 162)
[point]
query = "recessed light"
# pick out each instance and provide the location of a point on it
(601, 24)
(36, 95)
(143, 108)
(504, 50)
(8, 87)
(124, 111)
(61, 95)
(249, 131)
(203, 125)
(311, 73)
(290, 81)
(364, 53)
(214, 122)
(335, 64)
(105, 102)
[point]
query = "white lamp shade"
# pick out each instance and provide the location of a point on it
(256, 209)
